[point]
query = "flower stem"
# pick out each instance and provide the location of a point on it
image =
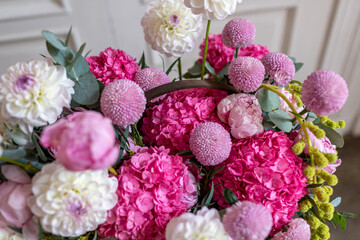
(236, 53)
(26, 167)
(179, 68)
(205, 49)
(113, 171)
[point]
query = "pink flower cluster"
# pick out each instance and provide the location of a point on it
(170, 122)
(254, 50)
(264, 170)
(154, 187)
(112, 64)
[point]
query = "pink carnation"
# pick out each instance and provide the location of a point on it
(242, 112)
(85, 140)
(264, 170)
(154, 187)
(254, 50)
(170, 122)
(111, 65)
(299, 229)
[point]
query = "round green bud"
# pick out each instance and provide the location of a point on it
(332, 180)
(341, 123)
(329, 190)
(309, 172)
(304, 205)
(298, 147)
(321, 194)
(323, 230)
(313, 222)
(320, 160)
(332, 158)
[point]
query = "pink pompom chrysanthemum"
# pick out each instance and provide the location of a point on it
(210, 142)
(154, 187)
(279, 67)
(247, 221)
(263, 169)
(123, 101)
(299, 229)
(246, 73)
(254, 50)
(238, 33)
(324, 92)
(170, 122)
(112, 64)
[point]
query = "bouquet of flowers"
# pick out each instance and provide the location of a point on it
(104, 147)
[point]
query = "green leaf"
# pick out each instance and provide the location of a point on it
(14, 154)
(54, 40)
(211, 70)
(348, 215)
(80, 68)
(142, 62)
(171, 67)
(41, 232)
(86, 90)
(215, 171)
(315, 206)
(15, 229)
(60, 56)
(293, 59)
(229, 196)
(298, 66)
(68, 37)
(34, 138)
(334, 137)
(195, 70)
(281, 119)
(224, 71)
(268, 100)
(95, 235)
(335, 218)
(77, 56)
(342, 222)
(208, 197)
(336, 202)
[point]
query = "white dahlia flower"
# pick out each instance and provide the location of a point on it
(170, 27)
(33, 93)
(213, 9)
(206, 224)
(70, 203)
(4, 235)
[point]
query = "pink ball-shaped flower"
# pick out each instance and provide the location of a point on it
(254, 50)
(279, 67)
(247, 221)
(123, 101)
(263, 169)
(324, 92)
(246, 73)
(299, 229)
(238, 33)
(85, 140)
(170, 122)
(112, 64)
(154, 187)
(210, 142)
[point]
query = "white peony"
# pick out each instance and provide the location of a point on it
(206, 224)
(212, 9)
(5, 235)
(69, 203)
(33, 94)
(171, 28)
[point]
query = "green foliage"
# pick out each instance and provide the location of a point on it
(336, 202)
(229, 196)
(298, 66)
(194, 71)
(34, 139)
(15, 229)
(142, 62)
(268, 100)
(171, 67)
(208, 197)
(281, 119)
(334, 137)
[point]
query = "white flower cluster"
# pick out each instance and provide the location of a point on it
(5, 235)
(213, 9)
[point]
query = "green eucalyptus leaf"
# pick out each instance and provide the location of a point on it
(293, 59)
(210, 69)
(336, 202)
(298, 66)
(76, 58)
(15, 229)
(334, 137)
(54, 40)
(281, 119)
(76, 69)
(17, 136)
(348, 215)
(268, 100)
(229, 196)
(195, 70)
(86, 90)
(34, 139)
(60, 56)
(68, 37)
(335, 218)
(14, 154)
(342, 222)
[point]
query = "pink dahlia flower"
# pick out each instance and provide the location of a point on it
(238, 33)
(210, 142)
(247, 221)
(242, 112)
(299, 229)
(264, 170)
(324, 92)
(112, 64)
(218, 54)
(123, 101)
(154, 187)
(279, 67)
(170, 122)
(246, 73)
(85, 140)
(13, 202)
(254, 50)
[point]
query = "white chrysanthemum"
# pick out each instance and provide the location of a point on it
(33, 93)
(206, 224)
(71, 203)
(4, 235)
(171, 28)
(213, 9)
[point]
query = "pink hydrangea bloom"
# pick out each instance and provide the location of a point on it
(170, 122)
(246, 73)
(299, 229)
(85, 140)
(112, 64)
(238, 33)
(324, 92)
(242, 112)
(254, 50)
(324, 145)
(13, 201)
(154, 187)
(210, 143)
(247, 221)
(279, 67)
(263, 169)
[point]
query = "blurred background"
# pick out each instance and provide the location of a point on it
(324, 34)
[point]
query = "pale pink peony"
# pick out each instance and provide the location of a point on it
(247, 221)
(170, 122)
(279, 67)
(13, 207)
(299, 229)
(284, 106)
(242, 112)
(210, 143)
(324, 92)
(112, 64)
(154, 187)
(85, 140)
(238, 33)
(254, 50)
(263, 169)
